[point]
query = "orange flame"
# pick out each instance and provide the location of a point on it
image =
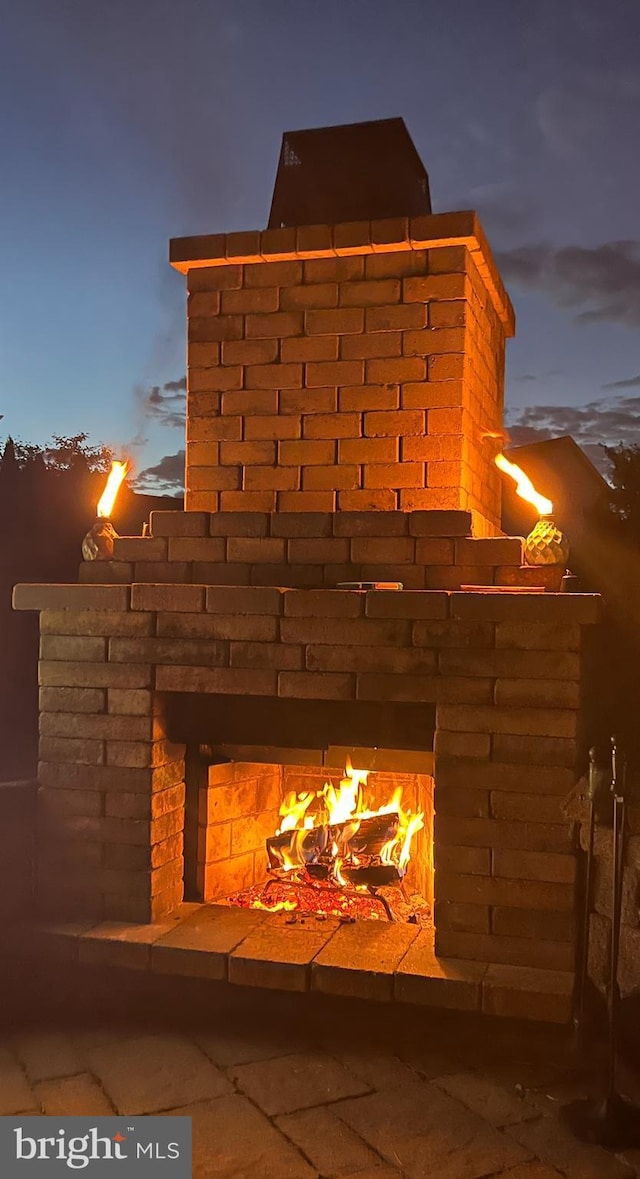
(524, 486)
(108, 497)
(334, 806)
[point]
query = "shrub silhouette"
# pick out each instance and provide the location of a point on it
(48, 497)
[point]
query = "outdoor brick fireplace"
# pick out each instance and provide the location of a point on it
(342, 381)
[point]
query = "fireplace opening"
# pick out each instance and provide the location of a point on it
(316, 841)
(312, 808)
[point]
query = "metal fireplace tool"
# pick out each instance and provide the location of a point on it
(612, 1120)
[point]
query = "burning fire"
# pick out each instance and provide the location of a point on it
(524, 486)
(108, 498)
(332, 834)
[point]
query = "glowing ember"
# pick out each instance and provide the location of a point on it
(108, 498)
(308, 898)
(298, 898)
(524, 486)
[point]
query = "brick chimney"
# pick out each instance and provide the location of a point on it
(352, 366)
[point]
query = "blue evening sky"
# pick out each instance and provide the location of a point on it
(127, 122)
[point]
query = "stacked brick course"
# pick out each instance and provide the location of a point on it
(111, 797)
(359, 374)
(431, 550)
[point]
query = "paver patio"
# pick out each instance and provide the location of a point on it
(277, 1090)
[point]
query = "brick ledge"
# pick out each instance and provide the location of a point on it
(232, 945)
(360, 237)
(481, 603)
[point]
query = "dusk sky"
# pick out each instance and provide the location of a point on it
(127, 122)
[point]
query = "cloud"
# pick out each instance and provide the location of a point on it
(564, 119)
(506, 208)
(572, 116)
(609, 421)
(528, 378)
(165, 404)
(601, 283)
(166, 478)
(630, 383)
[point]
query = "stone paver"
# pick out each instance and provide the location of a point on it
(525, 992)
(233, 1140)
(329, 1144)
(527, 1074)
(118, 943)
(440, 982)
(530, 1171)
(156, 1073)
(425, 1132)
(491, 1101)
(16, 1096)
(378, 1070)
(267, 959)
(80, 1096)
(553, 1144)
(427, 1061)
(229, 1046)
(44, 1055)
(296, 1082)
(344, 965)
(199, 946)
(375, 1173)
(549, 1099)
(288, 1092)
(99, 1036)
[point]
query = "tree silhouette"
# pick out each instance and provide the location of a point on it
(625, 494)
(48, 498)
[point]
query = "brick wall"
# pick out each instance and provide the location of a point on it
(111, 787)
(239, 808)
(431, 550)
(359, 380)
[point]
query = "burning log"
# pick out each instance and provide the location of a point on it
(371, 875)
(297, 848)
(351, 850)
(370, 834)
(330, 836)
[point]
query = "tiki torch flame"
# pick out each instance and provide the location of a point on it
(524, 486)
(108, 497)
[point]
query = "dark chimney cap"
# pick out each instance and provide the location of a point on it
(356, 172)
